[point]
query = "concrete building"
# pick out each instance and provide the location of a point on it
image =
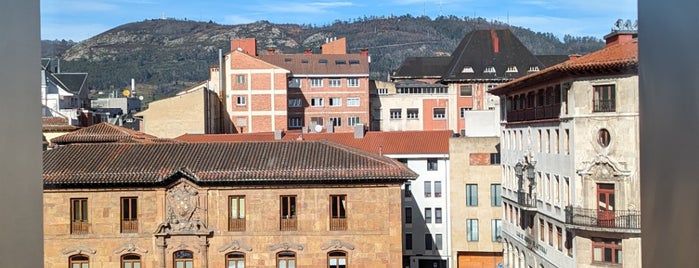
(64, 94)
(256, 204)
(425, 200)
(459, 83)
(571, 185)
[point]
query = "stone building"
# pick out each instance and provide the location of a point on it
(254, 204)
(570, 161)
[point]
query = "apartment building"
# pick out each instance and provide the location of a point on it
(425, 200)
(254, 204)
(570, 162)
(459, 83)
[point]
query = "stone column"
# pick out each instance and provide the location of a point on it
(162, 246)
(204, 245)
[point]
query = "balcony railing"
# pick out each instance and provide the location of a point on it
(526, 200)
(535, 113)
(129, 226)
(288, 224)
(338, 224)
(79, 227)
(236, 225)
(607, 105)
(617, 219)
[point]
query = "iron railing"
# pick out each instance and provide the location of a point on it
(129, 225)
(525, 199)
(236, 225)
(288, 224)
(606, 105)
(617, 219)
(535, 113)
(338, 224)
(79, 227)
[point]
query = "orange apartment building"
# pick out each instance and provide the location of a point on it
(315, 92)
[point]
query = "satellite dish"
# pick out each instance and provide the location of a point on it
(140, 97)
(318, 128)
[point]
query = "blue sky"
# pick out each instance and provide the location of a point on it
(80, 19)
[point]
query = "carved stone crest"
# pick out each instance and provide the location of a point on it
(182, 204)
(602, 168)
(78, 250)
(131, 248)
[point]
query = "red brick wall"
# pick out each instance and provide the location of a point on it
(479, 159)
(429, 123)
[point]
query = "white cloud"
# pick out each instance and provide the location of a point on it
(237, 19)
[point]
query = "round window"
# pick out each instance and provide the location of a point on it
(603, 137)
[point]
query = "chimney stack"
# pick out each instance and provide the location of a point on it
(364, 52)
(359, 131)
(277, 134)
(496, 41)
(270, 51)
(620, 37)
(307, 51)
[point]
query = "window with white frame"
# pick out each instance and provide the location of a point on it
(437, 189)
(353, 102)
(463, 111)
(396, 113)
(439, 113)
(432, 164)
(428, 189)
(496, 230)
(437, 215)
(471, 195)
(335, 102)
(489, 69)
(335, 82)
(317, 102)
(337, 121)
(438, 241)
(413, 113)
(240, 100)
(295, 122)
(382, 91)
(316, 82)
(295, 102)
(511, 69)
(240, 79)
(352, 120)
(353, 82)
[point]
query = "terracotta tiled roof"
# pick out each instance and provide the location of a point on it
(613, 59)
(228, 162)
(102, 133)
(320, 64)
(393, 142)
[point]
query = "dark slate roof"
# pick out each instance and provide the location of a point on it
(320, 64)
(551, 60)
(614, 59)
(422, 67)
(72, 82)
(45, 62)
(417, 84)
(103, 133)
(216, 163)
(477, 51)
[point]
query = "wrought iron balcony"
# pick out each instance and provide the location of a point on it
(526, 200)
(592, 219)
(534, 113)
(604, 105)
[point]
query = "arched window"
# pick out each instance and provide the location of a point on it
(286, 259)
(235, 260)
(79, 261)
(337, 259)
(130, 261)
(183, 259)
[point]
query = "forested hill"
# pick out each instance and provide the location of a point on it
(165, 55)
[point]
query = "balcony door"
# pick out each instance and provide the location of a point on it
(605, 204)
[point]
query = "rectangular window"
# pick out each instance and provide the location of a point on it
(335, 102)
(294, 83)
(78, 216)
(428, 215)
(606, 250)
(471, 195)
(295, 122)
(316, 121)
(408, 215)
(317, 102)
(353, 102)
(396, 113)
(382, 91)
(496, 230)
(438, 241)
(129, 214)
(240, 100)
(566, 142)
(495, 195)
(439, 113)
(413, 113)
(556, 142)
(466, 91)
(437, 189)
(428, 189)
(316, 82)
(337, 121)
(428, 242)
(438, 215)
(569, 243)
(604, 99)
(408, 241)
(240, 79)
(407, 191)
(352, 121)
(559, 238)
(335, 82)
(542, 230)
(495, 158)
(353, 82)
(295, 102)
(463, 110)
(432, 164)
(557, 190)
(288, 213)
(338, 212)
(472, 230)
(550, 237)
(236, 213)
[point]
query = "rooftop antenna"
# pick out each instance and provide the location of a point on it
(440, 8)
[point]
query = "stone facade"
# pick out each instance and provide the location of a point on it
(186, 216)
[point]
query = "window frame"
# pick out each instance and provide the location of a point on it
(395, 114)
(240, 79)
(466, 90)
(137, 260)
(432, 164)
(472, 230)
(353, 102)
(236, 223)
(429, 243)
(316, 82)
(344, 257)
(413, 113)
(604, 244)
(338, 212)
(240, 101)
(334, 102)
(496, 230)
(408, 241)
(428, 188)
(428, 215)
(79, 216)
(235, 259)
(604, 98)
(471, 195)
(288, 213)
(408, 215)
(334, 82)
(129, 214)
(438, 215)
(439, 113)
(294, 102)
(184, 260)
(285, 259)
(495, 195)
(352, 82)
(353, 121)
(316, 102)
(293, 120)
(82, 260)
(437, 188)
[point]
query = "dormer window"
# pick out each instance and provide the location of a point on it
(467, 70)
(533, 68)
(511, 69)
(489, 70)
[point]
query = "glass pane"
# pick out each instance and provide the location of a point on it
(84, 212)
(618, 256)
(608, 254)
(292, 264)
(179, 264)
(231, 264)
(76, 265)
(242, 207)
(127, 265)
(137, 265)
(189, 264)
(343, 262)
(611, 201)
(333, 262)
(234, 208)
(241, 264)
(282, 264)
(597, 254)
(602, 201)
(85, 265)
(134, 209)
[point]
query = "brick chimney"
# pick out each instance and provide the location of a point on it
(620, 37)
(307, 51)
(364, 52)
(270, 51)
(495, 40)
(247, 46)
